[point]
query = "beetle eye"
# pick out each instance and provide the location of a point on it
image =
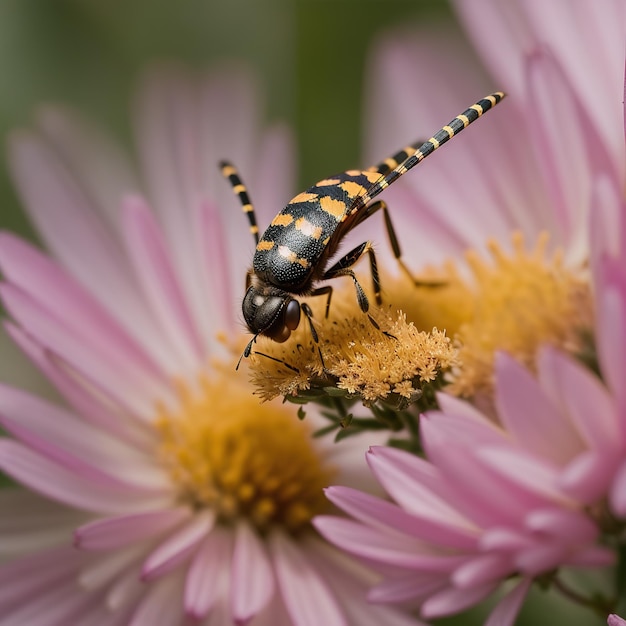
(292, 315)
(282, 335)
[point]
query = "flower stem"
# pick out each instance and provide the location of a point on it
(620, 580)
(597, 603)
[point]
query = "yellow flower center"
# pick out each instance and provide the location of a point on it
(513, 302)
(385, 358)
(228, 453)
(509, 301)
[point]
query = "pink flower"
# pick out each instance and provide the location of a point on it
(509, 205)
(492, 501)
(532, 165)
(608, 262)
(184, 499)
(518, 488)
(615, 620)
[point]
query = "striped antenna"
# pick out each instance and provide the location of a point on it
(228, 171)
(391, 169)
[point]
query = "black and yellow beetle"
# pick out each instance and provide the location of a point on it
(292, 255)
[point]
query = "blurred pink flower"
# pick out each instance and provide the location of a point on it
(525, 183)
(533, 164)
(615, 620)
(185, 499)
(492, 501)
(519, 491)
(608, 263)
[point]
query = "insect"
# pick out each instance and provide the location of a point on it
(292, 255)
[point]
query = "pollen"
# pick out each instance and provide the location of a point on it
(521, 300)
(241, 459)
(505, 301)
(398, 363)
(446, 324)
(386, 358)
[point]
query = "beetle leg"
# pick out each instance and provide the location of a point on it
(321, 291)
(308, 313)
(395, 244)
(343, 267)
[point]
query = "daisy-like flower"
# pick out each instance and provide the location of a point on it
(157, 490)
(518, 499)
(528, 478)
(518, 187)
(499, 219)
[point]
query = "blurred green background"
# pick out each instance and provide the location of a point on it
(89, 53)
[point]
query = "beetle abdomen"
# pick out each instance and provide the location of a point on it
(289, 252)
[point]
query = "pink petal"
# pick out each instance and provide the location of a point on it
(24, 578)
(500, 539)
(414, 484)
(151, 260)
(93, 158)
(178, 547)
(382, 547)
(349, 582)
(31, 523)
(485, 496)
(429, 61)
(59, 604)
(161, 603)
(95, 616)
(252, 583)
(209, 573)
(452, 427)
(483, 569)
(62, 437)
(570, 527)
(67, 487)
(534, 478)
(127, 589)
(116, 532)
(569, 159)
(542, 558)
(618, 491)
(501, 27)
(504, 33)
(110, 568)
(276, 172)
(183, 132)
(591, 69)
(529, 415)
(606, 223)
(509, 607)
(122, 376)
(451, 405)
(383, 515)
(88, 400)
(411, 589)
(611, 335)
(589, 476)
(451, 601)
(586, 399)
(69, 221)
(214, 251)
(71, 227)
(308, 599)
(395, 57)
